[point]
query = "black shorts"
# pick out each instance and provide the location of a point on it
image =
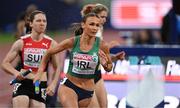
(81, 93)
(98, 76)
(26, 87)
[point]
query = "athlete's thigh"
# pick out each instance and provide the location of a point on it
(84, 103)
(94, 102)
(21, 101)
(36, 104)
(67, 96)
(101, 93)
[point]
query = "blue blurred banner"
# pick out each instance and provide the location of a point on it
(145, 50)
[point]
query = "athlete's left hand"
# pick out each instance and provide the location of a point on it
(50, 90)
(120, 55)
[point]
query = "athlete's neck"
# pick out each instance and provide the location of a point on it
(88, 40)
(36, 36)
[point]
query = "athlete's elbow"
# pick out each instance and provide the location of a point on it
(47, 55)
(3, 65)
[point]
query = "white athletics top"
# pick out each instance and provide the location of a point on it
(99, 33)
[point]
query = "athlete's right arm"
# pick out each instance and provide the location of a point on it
(10, 57)
(64, 45)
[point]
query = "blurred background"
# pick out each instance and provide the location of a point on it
(147, 30)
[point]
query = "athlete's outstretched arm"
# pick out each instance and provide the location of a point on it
(64, 45)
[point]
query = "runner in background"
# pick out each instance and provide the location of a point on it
(31, 48)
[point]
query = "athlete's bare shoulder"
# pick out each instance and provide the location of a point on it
(53, 42)
(48, 37)
(25, 36)
(18, 45)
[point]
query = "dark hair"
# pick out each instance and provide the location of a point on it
(91, 14)
(76, 27)
(87, 9)
(32, 15)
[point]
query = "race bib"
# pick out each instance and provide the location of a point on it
(33, 56)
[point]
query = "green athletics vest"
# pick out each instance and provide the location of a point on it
(84, 64)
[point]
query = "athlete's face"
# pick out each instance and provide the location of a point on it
(39, 23)
(103, 15)
(91, 26)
